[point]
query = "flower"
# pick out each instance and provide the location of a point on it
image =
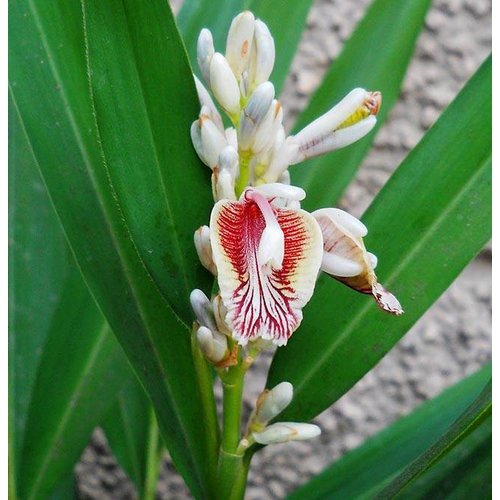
(264, 249)
(267, 261)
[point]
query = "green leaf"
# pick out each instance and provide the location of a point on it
(98, 172)
(429, 221)
(62, 352)
(465, 471)
(127, 428)
(286, 25)
(362, 472)
(478, 412)
(375, 57)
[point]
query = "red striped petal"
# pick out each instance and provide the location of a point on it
(262, 301)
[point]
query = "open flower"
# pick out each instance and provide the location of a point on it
(267, 260)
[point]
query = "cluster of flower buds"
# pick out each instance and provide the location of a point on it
(269, 405)
(254, 150)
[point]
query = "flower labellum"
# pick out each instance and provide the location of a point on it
(346, 259)
(267, 261)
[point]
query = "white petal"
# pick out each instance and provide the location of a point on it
(340, 266)
(224, 85)
(272, 247)
(197, 143)
(373, 259)
(328, 122)
(344, 220)
(239, 42)
(202, 309)
(205, 51)
(282, 432)
(277, 190)
(223, 185)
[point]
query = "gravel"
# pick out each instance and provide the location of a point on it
(453, 338)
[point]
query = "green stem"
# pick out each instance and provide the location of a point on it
(244, 177)
(152, 459)
(205, 387)
(233, 392)
(232, 476)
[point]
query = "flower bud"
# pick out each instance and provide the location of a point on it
(254, 113)
(204, 248)
(283, 432)
(239, 42)
(207, 138)
(206, 100)
(220, 312)
(228, 160)
(262, 56)
(224, 85)
(269, 129)
(205, 51)
(349, 120)
(202, 308)
(232, 137)
(212, 344)
(223, 185)
(272, 403)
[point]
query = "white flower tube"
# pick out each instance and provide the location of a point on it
(283, 432)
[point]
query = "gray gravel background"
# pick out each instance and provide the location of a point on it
(452, 340)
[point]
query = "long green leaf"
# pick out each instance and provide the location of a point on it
(63, 353)
(465, 472)
(363, 472)
(476, 414)
(429, 221)
(127, 427)
(94, 186)
(375, 57)
(285, 19)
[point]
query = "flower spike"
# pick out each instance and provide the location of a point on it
(264, 285)
(346, 259)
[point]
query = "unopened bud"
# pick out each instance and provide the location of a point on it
(254, 113)
(223, 185)
(267, 132)
(204, 248)
(263, 54)
(202, 309)
(273, 402)
(283, 432)
(224, 85)
(239, 42)
(212, 344)
(232, 137)
(220, 313)
(228, 160)
(205, 51)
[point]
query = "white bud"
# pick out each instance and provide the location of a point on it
(206, 101)
(277, 190)
(223, 185)
(212, 344)
(276, 400)
(269, 129)
(285, 178)
(239, 42)
(224, 85)
(205, 51)
(282, 159)
(263, 54)
(255, 111)
(344, 221)
(232, 137)
(228, 160)
(202, 308)
(220, 313)
(204, 248)
(213, 141)
(283, 432)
